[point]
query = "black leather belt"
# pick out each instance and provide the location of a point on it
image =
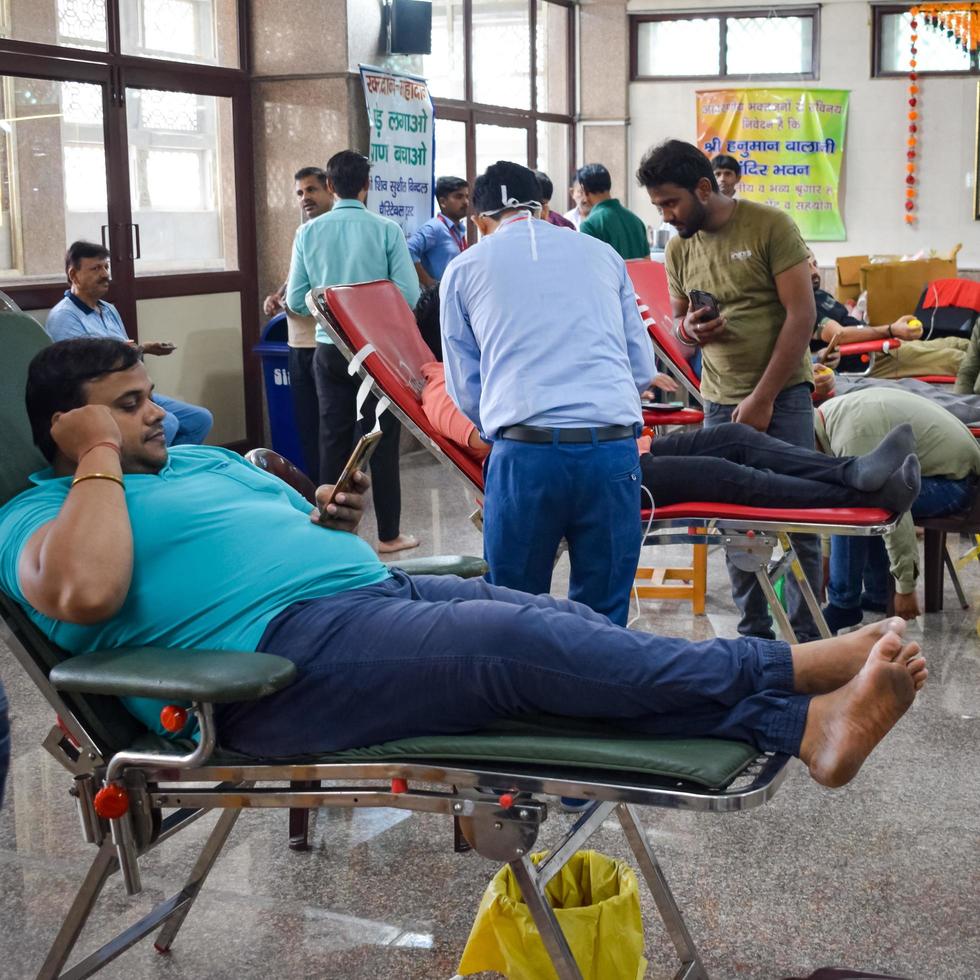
(538, 433)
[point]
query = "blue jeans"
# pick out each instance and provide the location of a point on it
(184, 424)
(435, 655)
(589, 494)
(853, 560)
(4, 742)
(792, 421)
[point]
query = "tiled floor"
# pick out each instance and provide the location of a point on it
(882, 876)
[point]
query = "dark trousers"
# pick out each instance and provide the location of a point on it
(337, 394)
(589, 494)
(736, 464)
(438, 655)
(792, 422)
(306, 408)
(854, 561)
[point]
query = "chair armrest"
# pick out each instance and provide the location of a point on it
(870, 346)
(465, 566)
(164, 674)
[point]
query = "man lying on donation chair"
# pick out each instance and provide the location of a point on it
(122, 543)
(731, 463)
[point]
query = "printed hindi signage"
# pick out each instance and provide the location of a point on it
(400, 119)
(789, 143)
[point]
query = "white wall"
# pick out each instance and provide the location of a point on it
(873, 179)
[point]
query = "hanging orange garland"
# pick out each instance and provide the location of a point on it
(961, 23)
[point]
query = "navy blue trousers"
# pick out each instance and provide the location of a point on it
(439, 655)
(589, 494)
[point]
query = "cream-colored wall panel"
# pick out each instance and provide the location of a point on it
(206, 367)
(873, 179)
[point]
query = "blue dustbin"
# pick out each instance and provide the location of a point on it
(274, 352)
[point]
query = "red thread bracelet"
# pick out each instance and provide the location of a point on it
(105, 442)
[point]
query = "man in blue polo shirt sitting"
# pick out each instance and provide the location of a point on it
(442, 238)
(122, 543)
(84, 313)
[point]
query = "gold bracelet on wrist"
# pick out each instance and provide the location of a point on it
(99, 476)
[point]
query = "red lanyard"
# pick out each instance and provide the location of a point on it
(459, 239)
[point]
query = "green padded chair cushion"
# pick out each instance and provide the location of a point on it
(465, 566)
(218, 676)
(547, 744)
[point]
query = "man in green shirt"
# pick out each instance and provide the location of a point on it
(950, 461)
(608, 220)
(350, 244)
(756, 364)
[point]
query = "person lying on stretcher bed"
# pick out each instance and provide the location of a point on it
(730, 463)
(121, 542)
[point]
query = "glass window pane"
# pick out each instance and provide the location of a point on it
(52, 175)
(679, 47)
(450, 148)
(551, 52)
(73, 23)
(502, 53)
(202, 31)
(495, 143)
(553, 160)
(444, 67)
(783, 44)
(934, 50)
(182, 181)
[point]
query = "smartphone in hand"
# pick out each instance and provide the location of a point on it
(359, 458)
(701, 300)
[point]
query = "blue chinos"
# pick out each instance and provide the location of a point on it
(589, 494)
(855, 561)
(436, 655)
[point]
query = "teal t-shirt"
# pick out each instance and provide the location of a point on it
(220, 547)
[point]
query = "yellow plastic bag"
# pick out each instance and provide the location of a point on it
(597, 904)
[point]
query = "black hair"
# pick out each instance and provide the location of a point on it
(594, 178)
(318, 172)
(427, 318)
(447, 185)
(725, 162)
(547, 187)
(675, 162)
(83, 250)
(349, 172)
(520, 182)
(57, 376)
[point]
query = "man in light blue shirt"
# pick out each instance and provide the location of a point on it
(546, 352)
(442, 238)
(84, 313)
(350, 244)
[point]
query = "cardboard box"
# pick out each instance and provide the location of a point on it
(849, 276)
(894, 288)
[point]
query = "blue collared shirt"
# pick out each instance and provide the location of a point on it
(71, 318)
(348, 244)
(435, 245)
(543, 328)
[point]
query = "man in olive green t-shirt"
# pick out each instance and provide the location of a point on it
(608, 220)
(756, 363)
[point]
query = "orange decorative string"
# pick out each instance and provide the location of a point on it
(960, 22)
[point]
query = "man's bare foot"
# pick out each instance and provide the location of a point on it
(822, 666)
(402, 543)
(842, 728)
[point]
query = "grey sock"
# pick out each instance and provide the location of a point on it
(873, 470)
(901, 489)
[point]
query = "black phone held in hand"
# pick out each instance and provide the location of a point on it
(701, 300)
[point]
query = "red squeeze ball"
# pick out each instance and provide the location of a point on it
(173, 718)
(111, 802)
(506, 801)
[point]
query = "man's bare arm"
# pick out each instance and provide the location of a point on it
(795, 292)
(78, 567)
